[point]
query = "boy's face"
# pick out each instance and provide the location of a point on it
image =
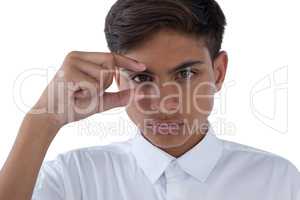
(179, 100)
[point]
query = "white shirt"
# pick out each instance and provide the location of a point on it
(214, 169)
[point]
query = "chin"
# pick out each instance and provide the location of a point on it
(166, 140)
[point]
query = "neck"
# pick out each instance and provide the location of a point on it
(188, 145)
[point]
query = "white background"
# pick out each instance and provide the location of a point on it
(260, 97)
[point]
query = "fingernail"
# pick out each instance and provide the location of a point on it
(142, 66)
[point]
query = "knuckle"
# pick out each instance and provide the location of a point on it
(67, 76)
(71, 57)
(66, 68)
(110, 58)
(70, 75)
(73, 54)
(69, 61)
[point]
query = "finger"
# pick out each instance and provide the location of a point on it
(94, 70)
(85, 107)
(112, 100)
(119, 99)
(82, 94)
(128, 63)
(110, 60)
(82, 81)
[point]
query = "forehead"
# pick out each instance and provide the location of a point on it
(166, 49)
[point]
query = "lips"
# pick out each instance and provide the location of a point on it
(164, 122)
(164, 127)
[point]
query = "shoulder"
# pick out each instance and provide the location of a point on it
(101, 154)
(81, 168)
(89, 160)
(255, 158)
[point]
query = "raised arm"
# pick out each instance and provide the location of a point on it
(76, 92)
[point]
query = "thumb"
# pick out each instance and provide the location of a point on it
(118, 99)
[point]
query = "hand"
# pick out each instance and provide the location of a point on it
(78, 88)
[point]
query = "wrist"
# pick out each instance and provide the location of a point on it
(44, 121)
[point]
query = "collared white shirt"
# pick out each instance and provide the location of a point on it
(214, 169)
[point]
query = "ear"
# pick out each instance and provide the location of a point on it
(220, 67)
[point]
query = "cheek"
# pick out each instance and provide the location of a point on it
(131, 108)
(136, 111)
(201, 98)
(136, 115)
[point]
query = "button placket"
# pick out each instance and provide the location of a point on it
(173, 184)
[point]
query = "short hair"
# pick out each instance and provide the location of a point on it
(130, 22)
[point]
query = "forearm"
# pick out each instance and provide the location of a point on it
(19, 173)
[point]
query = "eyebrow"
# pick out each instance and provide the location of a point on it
(185, 64)
(178, 67)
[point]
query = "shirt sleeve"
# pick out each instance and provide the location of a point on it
(50, 181)
(295, 177)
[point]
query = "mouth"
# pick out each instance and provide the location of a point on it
(165, 127)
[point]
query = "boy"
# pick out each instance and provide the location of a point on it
(166, 59)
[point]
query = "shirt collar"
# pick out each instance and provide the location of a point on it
(197, 162)
(150, 158)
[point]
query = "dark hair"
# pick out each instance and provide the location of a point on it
(130, 22)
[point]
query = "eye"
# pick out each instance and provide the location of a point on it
(141, 78)
(185, 74)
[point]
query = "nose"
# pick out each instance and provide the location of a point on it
(167, 101)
